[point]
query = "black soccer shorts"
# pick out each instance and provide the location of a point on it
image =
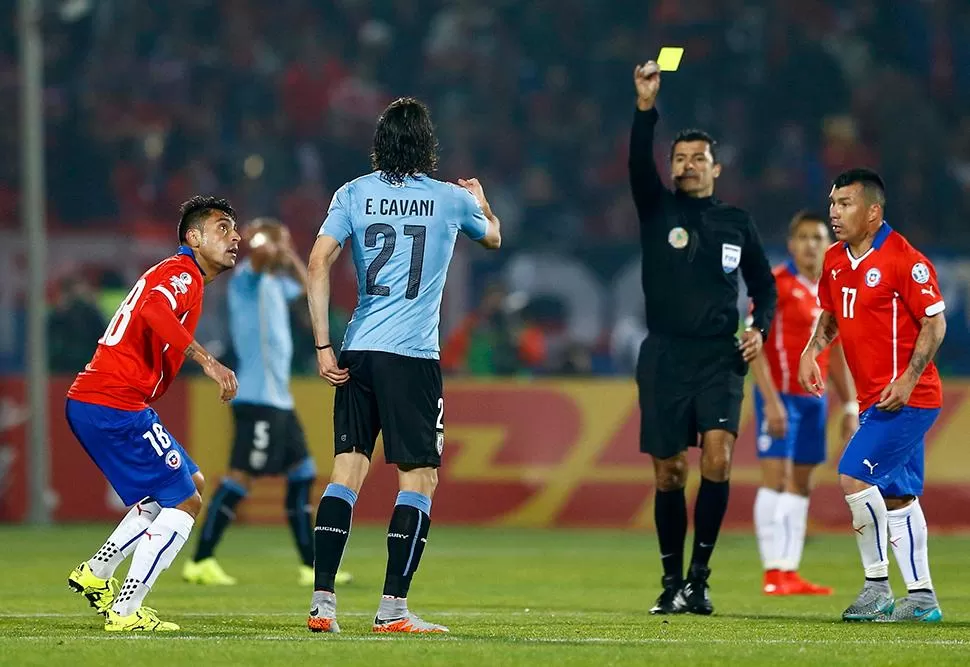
(398, 396)
(268, 440)
(687, 387)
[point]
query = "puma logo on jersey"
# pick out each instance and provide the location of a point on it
(871, 466)
(180, 284)
(835, 273)
(928, 291)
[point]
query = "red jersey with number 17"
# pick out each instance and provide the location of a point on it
(133, 366)
(792, 327)
(878, 301)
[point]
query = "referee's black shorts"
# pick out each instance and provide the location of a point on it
(687, 386)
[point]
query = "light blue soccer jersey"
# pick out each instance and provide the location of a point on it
(402, 238)
(259, 323)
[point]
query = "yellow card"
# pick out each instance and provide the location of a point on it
(669, 58)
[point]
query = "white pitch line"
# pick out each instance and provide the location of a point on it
(509, 640)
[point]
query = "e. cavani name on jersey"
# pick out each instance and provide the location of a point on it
(411, 207)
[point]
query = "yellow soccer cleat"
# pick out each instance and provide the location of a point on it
(306, 577)
(207, 572)
(144, 619)
(100, 593)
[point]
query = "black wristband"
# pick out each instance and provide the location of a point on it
(323, 347)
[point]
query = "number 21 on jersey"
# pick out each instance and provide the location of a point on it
(848, 302)
(122, 317)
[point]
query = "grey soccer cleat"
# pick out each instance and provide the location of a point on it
(914, 609)
(409, 623)
(323, 613)
(873, 603)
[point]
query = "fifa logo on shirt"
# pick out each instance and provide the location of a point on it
(180, 284)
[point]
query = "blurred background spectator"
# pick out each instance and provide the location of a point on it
(273, 104)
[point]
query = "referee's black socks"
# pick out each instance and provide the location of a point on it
(712, 500)
(670, 516)
(330, 534)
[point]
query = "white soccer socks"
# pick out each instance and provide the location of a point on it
(765, 515)
(124, 539)
(870, 522)
(155, 552)
(908, 536)
(791, 522)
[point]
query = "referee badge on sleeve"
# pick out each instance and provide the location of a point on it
(678, 238)
(730, 256)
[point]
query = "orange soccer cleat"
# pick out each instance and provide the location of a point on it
(793, 584)
(774, 583)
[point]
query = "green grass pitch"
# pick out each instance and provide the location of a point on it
(511, 597)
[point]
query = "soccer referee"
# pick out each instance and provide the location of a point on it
(691, 368)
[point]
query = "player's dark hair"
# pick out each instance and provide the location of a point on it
(193, 213)
(404, 141)
(872, 184)
(805, 215)
(693, 134)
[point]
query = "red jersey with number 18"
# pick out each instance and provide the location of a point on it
(878, 301)
(133, 366)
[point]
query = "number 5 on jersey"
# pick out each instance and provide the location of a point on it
(848, 302)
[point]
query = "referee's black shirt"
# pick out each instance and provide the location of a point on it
(693, 250)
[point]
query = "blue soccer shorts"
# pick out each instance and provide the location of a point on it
(137, 455)
(887, 450)
(804, 440)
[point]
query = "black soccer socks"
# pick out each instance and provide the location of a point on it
(712, 501)
(407, 535)
(330, 534)
(298, 515)
(222, 510)
(670, 517)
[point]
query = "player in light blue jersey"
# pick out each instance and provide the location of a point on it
(401, 226)
(268, 439)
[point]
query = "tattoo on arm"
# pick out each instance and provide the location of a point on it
(826, 329)
(927, 343)
(197, 353)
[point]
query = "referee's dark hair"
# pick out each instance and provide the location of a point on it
(404, 141)
(193, 213)
(805, 215)
(872, 184)
(693, 134)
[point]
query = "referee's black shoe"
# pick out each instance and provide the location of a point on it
(671, 600)
(696, 591)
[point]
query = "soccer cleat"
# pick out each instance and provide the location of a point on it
(409, 623)
(207, 572)
(323, 613)
(144, 619)
(100, 593)
(774, 583)
(793, 584)
(910, 610)
(873, 603)
(671, 600)
(306, 577)
(697, 591)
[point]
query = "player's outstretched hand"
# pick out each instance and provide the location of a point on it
(896, 395)
(751, 344)
(646, 78)
(224, 377)
(474, 187)
(810, 375)
(328, 368)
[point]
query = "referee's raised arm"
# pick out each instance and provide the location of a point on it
(644, 179)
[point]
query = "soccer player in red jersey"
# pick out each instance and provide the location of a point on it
(108, 410)
(791, 422)
(880, 296)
